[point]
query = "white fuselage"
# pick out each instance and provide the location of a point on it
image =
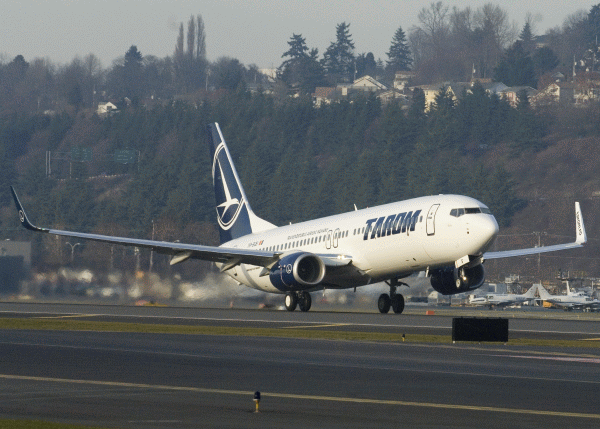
(378, 248)
(499, 299)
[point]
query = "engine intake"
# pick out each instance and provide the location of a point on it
(449, 281)
(297, 271)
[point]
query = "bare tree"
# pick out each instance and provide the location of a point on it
(435, 26)
(496, 19)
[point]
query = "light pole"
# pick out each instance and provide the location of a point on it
(539, 244)
(73, 246)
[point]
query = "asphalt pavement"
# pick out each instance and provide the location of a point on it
(133, 380)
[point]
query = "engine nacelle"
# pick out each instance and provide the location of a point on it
(448, 280)
(297, 271)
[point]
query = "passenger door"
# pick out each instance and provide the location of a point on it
(431, 219)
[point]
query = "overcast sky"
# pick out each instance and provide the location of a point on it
(253, 31)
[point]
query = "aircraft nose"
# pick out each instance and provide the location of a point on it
(487, 230)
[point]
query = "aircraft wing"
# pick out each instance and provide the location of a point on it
(229, 256)
(581, 239)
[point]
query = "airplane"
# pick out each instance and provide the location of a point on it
(447, 236)
(571, 301)
(503, 299)
(573, 292)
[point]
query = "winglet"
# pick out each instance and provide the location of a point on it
(22, 216)
(579, 226)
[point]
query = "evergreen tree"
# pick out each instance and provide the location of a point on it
(133, 73)
(516, 67)
(526, 38)
(544, 60)
(399, 57)
(314, 73)
(291, 70)
(443, 128)
(302, 68)
(527, 129)
(593, 25)
(474, 115)
(338, 59)
(366, 65)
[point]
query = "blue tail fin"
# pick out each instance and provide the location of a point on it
(234, 215)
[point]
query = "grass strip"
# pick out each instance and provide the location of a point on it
(148, 328)
(38, 424)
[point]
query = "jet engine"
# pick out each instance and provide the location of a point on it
(450, 280)
(297, 271)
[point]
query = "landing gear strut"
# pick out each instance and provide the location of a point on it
(393, 300)
(301, 299)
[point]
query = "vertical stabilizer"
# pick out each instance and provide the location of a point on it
(530, 294)
(234, 215)
(544, 295)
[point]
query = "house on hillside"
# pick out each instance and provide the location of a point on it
(367, 84)
(393, 94)
(324, 95)
(511, 94)
(492, 87)
(555, 93)
(453, 89)
(105, 109)
(587, 87)
(402, 80)
(362, 85)
(457, 89)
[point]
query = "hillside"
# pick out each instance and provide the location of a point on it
(529, 168)
(551, 180)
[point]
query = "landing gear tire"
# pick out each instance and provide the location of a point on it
(304, 301)
(291, 300)
(384, 303)
(397, 302)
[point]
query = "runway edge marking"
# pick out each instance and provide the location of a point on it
(306, 397)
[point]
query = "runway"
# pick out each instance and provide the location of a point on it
(534, 325)
(132, 380)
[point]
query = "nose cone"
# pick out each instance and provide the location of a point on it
(485, 230)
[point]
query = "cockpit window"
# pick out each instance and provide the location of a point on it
(470, 210)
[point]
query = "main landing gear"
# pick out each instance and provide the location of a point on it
(302, 299)
(393, 300)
